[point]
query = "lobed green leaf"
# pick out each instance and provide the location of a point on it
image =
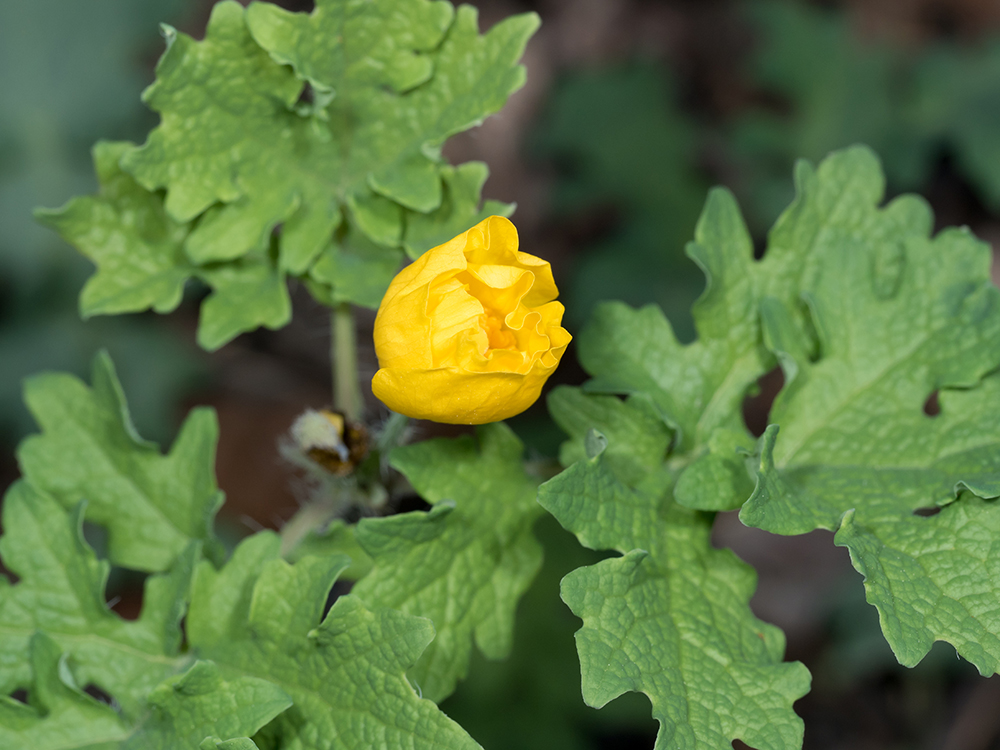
(899, 316)
(670, 617)
(469, 559)
(61, 593)
(261, 617)
(152, 505)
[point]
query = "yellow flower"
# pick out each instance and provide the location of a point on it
(469, 332)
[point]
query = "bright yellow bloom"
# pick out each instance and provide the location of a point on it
(469, 332)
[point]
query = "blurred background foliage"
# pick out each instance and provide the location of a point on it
(72, 73)
(633, 108)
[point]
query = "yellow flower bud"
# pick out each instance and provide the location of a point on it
(470, 331)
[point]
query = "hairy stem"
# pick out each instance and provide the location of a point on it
(344, 359)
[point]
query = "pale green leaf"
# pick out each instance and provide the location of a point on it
(223, 103)
(235, 146)
(137, 248)
(61, 591)
(247, 293)
(355, 270)
(468, 560)
(142, 263)
(459, 209)
(670, 617)
(350, 47)
(152, 505)
(697, 386)
(261, 617)
(61, 716)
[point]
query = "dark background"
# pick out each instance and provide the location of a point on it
(632, 110)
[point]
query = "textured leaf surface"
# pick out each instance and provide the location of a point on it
(698, 388)
(933, 578)
(389, 82)
(181, 710)
(247, 294)
(345, 672)
(636, 437)
(670, 617)
(184, 708)
(899, 316)
(152, 505)
(469, 559)
(354, 49)
(61, 716)
(61, 592)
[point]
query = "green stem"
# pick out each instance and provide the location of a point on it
(313, 515)
(344, 360)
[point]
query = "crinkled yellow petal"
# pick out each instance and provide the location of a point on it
(469, 332)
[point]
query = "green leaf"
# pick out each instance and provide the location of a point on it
(697, 388)
(459, 209)
(184, 707)
(137, 248)
(466, 76)
(389, 84)
(61, 591)
(354, 270)
(468, 560)
(261, 617)
(899, 316)
(181, 710)
(247, 294)
(534, 694)
(932, 579)
(350, 48)
(636, 438)
(224, 104)
(670, 617)
(140, 253)
(152, 505)
(61, 716)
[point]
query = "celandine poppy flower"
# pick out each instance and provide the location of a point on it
(470, 331)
